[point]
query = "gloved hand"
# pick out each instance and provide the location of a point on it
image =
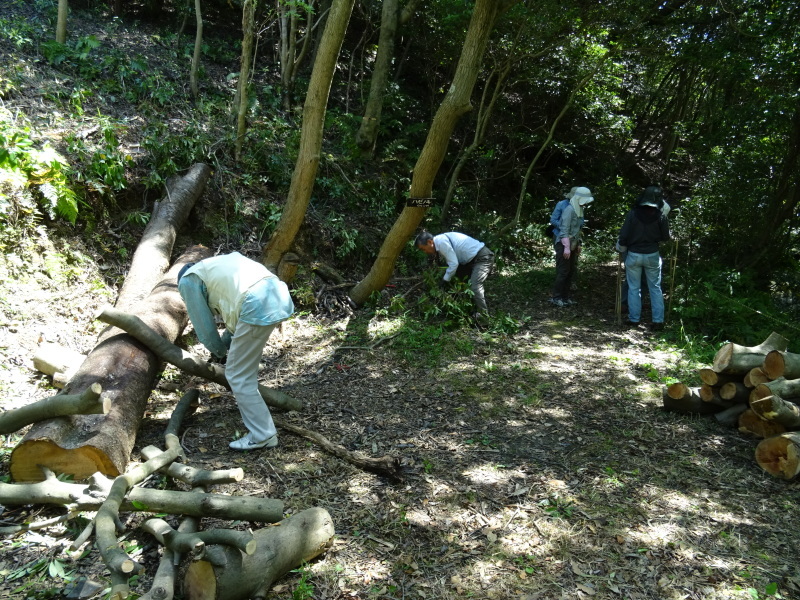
(567, 249)
(444, 285)
(217, 360)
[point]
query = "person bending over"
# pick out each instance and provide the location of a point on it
(251, 301)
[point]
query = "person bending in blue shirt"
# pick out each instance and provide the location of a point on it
(464, 256)
(251, 301)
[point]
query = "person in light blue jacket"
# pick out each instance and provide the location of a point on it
(251, 301)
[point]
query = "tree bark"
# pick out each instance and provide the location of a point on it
(730, 416)
(84, 444)
(454, 105)
(279, 549)
(248, 26)
(152, 256)
(733, 358)
(61, 23)
(305, 169)
(780, 455)
(785, 388)
(782, 364)
(775, 408)
(198, 44)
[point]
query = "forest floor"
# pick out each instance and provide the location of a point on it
(536, 464)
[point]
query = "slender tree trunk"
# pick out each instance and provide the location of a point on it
(248, 25)
(198, 44)
(61, 24)
(454, 105)
(305, 169)
(368, 132)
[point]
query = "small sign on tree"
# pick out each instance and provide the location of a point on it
(419, 202)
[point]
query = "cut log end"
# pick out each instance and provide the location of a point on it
(81, 463)
(779, 455)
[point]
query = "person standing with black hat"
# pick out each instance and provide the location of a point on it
(645, 227)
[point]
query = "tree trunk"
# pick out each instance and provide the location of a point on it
(279, 549)
(454, 105)
(305, 169)
(198, 45)
(780, 455)
(679, 397)
(730, 416)
(126, 370)
(750, 422)
(781, 364)
(775, 408)
(248, 26)
(368, 131)
(61, 24)
(733, 358)
(152, 256)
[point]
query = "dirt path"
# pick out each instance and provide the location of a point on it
(537, 464)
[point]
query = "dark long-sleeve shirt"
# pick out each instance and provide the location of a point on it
(644, 228)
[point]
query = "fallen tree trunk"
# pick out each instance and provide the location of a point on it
(187, 362)
(679, 397)
(775, 408)
(84, 444)
(781, 364)
(279, 549)
(780, 455)
(733, 358)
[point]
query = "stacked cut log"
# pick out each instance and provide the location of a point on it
(757, 390)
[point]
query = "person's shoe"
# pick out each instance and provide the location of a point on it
(560, 302)
(247, 443)
(632, 324)
(570, 302)
(656, 327)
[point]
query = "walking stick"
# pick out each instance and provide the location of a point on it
(618, 306)
(672, 277)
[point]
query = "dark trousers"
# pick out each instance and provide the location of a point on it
(565, 271)
(478, 269)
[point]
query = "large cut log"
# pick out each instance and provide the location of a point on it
(781, 364)
(679, 397)
(710, 393)
(730, 416)
(127, 371)
(750, 422)
(754, 377)
(775, 408)
(733, 358)
(780, 455)
(279, 549)
(785, 388)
